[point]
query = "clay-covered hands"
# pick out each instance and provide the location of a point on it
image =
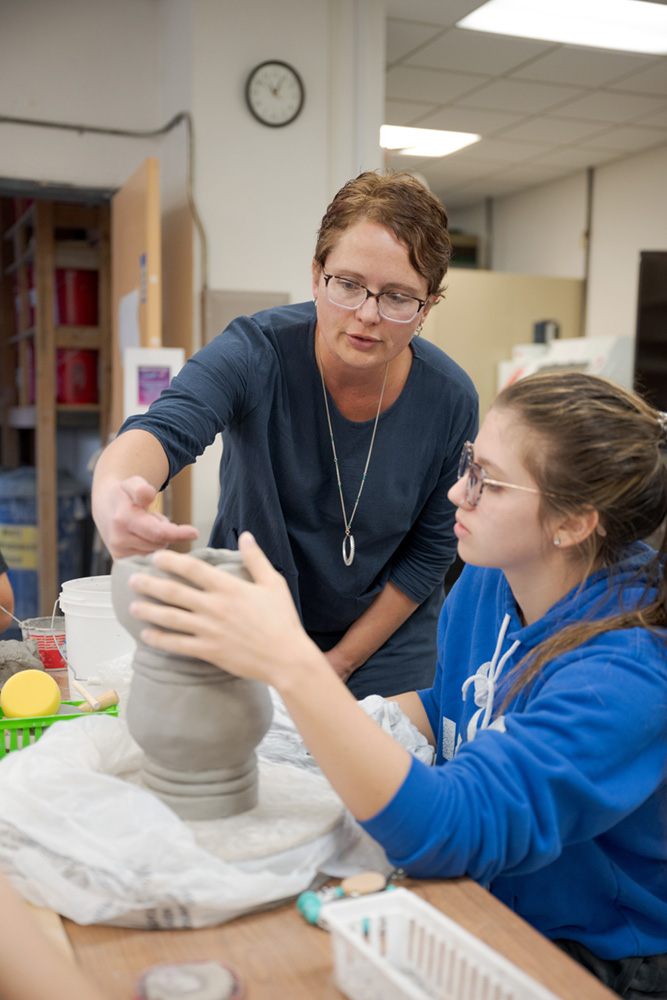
(250, 629)
(128, 527)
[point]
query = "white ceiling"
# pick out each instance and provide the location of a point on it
(543, 110)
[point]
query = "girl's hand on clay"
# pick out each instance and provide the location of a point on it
(249, 629)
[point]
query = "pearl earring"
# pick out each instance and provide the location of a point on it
(556, 541)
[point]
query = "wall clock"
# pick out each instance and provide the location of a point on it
(274, 93)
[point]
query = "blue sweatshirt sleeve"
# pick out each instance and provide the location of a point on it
(586, 752)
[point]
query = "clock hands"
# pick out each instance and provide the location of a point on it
(275, 90)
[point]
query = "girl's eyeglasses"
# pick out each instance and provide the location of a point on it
(477, 478)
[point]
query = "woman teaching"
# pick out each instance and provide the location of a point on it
(548, 712)
(341, 435)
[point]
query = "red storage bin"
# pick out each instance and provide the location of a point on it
(76, 376)
(76, 297)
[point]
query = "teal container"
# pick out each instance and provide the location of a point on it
(19, 533)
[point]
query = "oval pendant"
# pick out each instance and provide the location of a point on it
(348, 551)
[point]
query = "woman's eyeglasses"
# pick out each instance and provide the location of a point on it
(391, 305)
(477, 478)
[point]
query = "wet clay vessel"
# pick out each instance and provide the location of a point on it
(197, 724)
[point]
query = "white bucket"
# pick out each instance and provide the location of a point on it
(93, 633)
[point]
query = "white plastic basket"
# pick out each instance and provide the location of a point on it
(394, 946)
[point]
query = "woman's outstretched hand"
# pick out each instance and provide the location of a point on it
(127, 525)
(250, 629)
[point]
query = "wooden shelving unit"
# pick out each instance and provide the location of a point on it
(44, 237)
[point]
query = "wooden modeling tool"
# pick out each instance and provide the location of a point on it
(90, 698)
(105, 700)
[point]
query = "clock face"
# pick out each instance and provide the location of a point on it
(274, 93)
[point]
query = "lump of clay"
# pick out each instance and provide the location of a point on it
(16, 655)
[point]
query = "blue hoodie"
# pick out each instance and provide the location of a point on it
(559, 805)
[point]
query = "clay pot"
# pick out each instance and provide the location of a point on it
(197, 724)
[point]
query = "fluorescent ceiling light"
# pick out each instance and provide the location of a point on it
(424, 141)
(627, 25)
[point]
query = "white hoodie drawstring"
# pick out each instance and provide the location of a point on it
(486, 679)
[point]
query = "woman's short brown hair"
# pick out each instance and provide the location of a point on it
(401, 203)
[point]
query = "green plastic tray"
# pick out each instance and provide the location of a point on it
(19, 733)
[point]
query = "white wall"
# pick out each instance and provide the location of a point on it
(629, 215)
(539, 232)
(172, 28)
(84, 62)
(262, 191)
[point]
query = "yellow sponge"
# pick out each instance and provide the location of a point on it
(29, 694)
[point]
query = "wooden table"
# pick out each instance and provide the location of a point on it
(281, 957)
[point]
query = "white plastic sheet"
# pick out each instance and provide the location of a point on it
(80, 838)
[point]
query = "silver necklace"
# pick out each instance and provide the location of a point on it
(348, 538)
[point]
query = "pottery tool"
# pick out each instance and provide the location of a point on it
(310, 903)
(202, 980)
(92, 700)
(29, 694)
(105, 700)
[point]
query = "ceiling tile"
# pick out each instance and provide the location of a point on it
(453, 170)
(585, 67)
(492, 187)
(429, 84)
(545, 111)
(533, 173)
(649, 81)
(404, 36)
(628, 139)
(512, 95)
(578, 156)
(549, 128)
(468, 120)
(659, 120)
(431, 11)
(459, 50)
(608, 106)
(408, 112)
(503, 152)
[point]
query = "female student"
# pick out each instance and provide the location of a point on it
(549, 707)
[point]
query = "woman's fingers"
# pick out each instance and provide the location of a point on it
(139, 491)
(134, 529)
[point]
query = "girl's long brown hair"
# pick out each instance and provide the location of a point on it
(595, 445)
